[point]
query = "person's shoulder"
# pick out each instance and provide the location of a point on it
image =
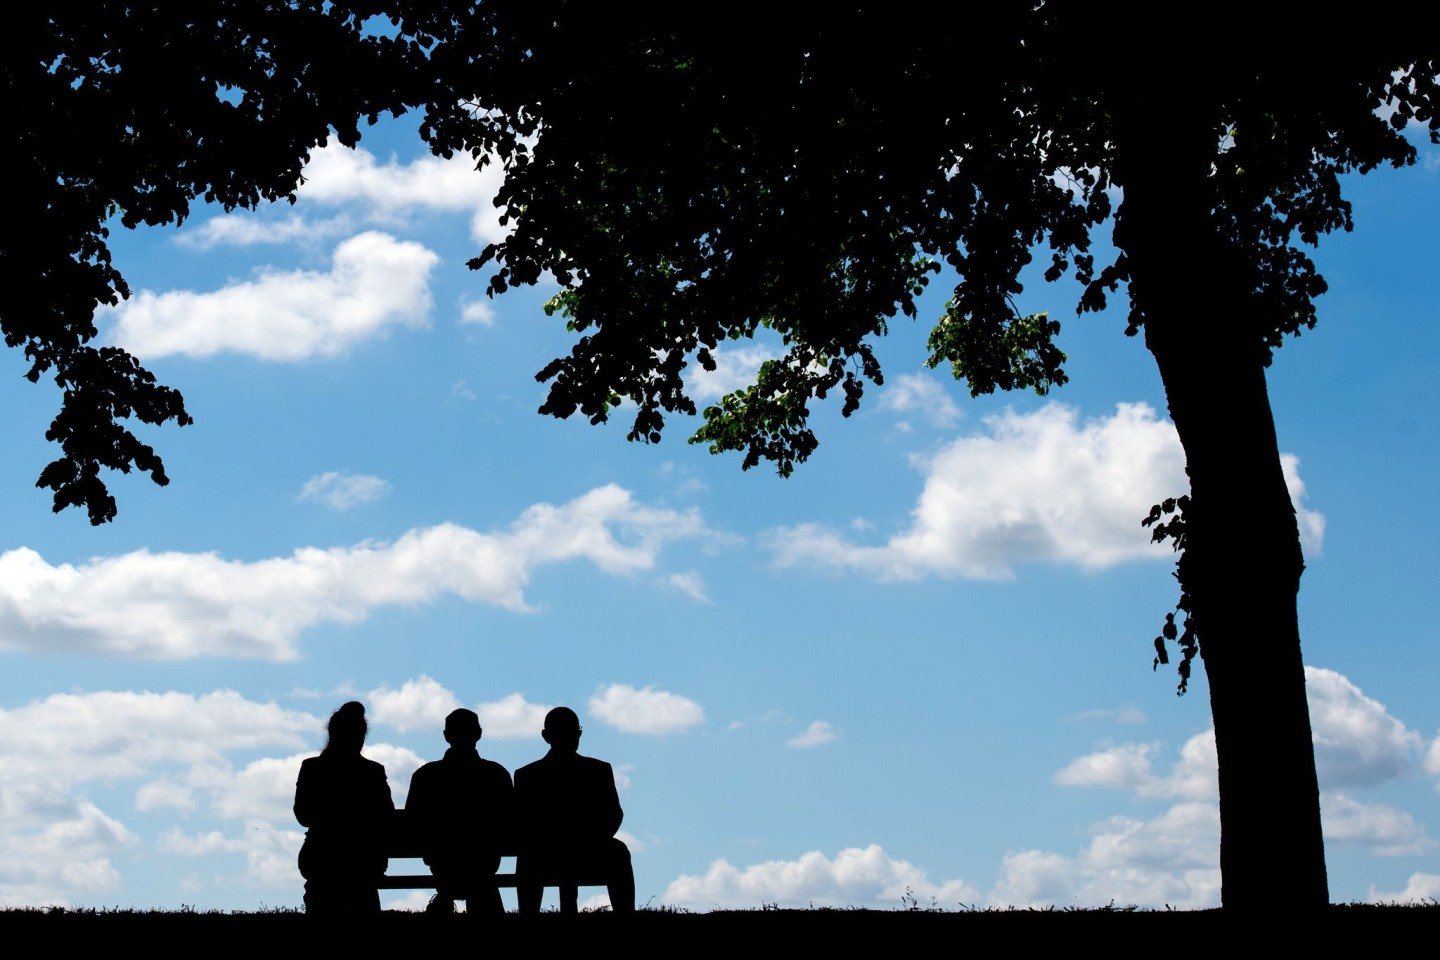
(593, 763)
(426, 770)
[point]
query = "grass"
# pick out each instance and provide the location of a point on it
(910, 927)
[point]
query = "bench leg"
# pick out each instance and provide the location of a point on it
(529, 895)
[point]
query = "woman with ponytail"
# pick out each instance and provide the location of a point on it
(344, 801)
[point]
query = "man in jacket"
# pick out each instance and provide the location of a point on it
(569, 813)
(461, 808)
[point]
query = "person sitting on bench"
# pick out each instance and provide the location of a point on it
(461, 807)
(569, 813)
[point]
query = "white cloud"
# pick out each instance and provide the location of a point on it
(647, 711)
(1034, 487)
(1421, 888)
(341, 491)
(1173, 859)
(160, 794)
(1126, 766)
(392, 191)
(1386, 831)
(817, 734)
(866, 877)
(1432, 759)
(178, 605)
(735, 369)
(690, 584)
(60, 846)
(1126, 714)
(56, 847)
(1311, 522)
(921, 393)
(622, 777)
(248, 229)
(419, 704)
(271, 853)
(375, 282)
(1357, 742)
(512, 717)
(477, 312)
(69, 738)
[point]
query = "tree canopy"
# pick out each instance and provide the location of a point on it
(691, 181)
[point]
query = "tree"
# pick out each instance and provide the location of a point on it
(128, 112)
(689, 183)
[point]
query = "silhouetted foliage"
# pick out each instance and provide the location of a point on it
(126, 113)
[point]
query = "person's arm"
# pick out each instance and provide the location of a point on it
(305, 800)
(609, 812)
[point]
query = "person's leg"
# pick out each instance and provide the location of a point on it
(484, 900)
(620, 875)
(447, 888)
(569, 898)
(529, 895)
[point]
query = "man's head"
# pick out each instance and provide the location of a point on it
(562, 730)
(462, 728)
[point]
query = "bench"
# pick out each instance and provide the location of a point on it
(402, 843)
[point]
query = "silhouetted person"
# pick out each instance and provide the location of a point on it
(345, 802)
(569, 812)
(461, 808)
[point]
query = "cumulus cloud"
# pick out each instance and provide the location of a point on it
(512, 717)
(270, 853)
(419, 704)
(1421, 888)
(867, 877)
(1432, 759)
(163, 794)
(69, 738)
(375, 282)
(1357, 742)
(247, 229)
(177, 605)
(59, 845)
(56, 847)
(341, 491)
(391, 191)
(1172, 859)
(817, 734)
(1386, 831)
(646, 711)
(1043, 486)
(1311, 522)
(735, 369)
(918, 393)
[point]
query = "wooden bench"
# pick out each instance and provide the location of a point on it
(402, 843)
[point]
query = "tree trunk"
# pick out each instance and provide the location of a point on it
(1242, 562)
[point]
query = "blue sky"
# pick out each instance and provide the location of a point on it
(922, 662)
